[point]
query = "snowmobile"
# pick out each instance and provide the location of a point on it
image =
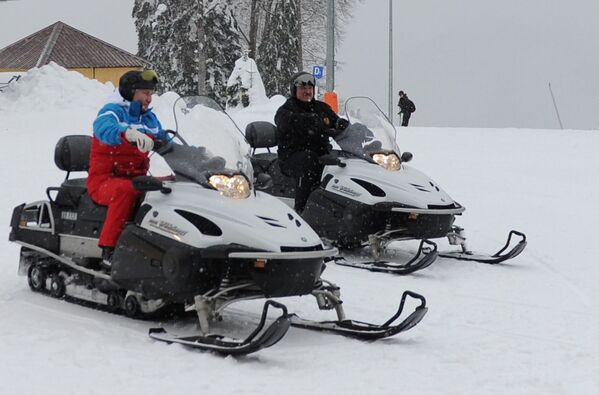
(201, 240)
(369, 197)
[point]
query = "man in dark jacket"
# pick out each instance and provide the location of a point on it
(406, 108)
(304, 126)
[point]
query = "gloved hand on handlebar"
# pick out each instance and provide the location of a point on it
(341, 124)
(143, 141)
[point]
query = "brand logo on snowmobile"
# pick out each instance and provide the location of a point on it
(69, 215)
(167, 227)
(345, 190)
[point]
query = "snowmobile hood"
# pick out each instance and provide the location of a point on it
(202, 218)
(371, 184)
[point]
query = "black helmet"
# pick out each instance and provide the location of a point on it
(135, 79)
(301, 78)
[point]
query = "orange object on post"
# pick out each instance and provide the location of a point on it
(331, 99)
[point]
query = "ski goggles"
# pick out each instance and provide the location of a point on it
(149, 76)
(304, 80)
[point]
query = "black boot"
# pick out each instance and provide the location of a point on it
(107, 253)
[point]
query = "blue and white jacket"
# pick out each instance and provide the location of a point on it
(118, 115)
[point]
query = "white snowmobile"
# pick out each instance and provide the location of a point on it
(369, 197)
(200, 241)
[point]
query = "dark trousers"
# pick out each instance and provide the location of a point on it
(405, 119)
(307, 170)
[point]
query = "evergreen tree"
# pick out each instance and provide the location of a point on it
(153, 21)
(192, 44)
(223, 47)
(279, 52)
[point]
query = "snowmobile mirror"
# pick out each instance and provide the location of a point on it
(263, 181)
(406, 157)
(147, 183)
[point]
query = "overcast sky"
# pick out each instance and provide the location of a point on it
(473, 63)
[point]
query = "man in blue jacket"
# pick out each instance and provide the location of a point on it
(124, 134)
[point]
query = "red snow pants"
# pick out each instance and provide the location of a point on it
(120, 198)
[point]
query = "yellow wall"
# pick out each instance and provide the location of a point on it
(89, 73)
(112, 74)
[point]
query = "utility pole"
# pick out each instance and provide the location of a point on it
(555, 105)
(390, 61)
(330, 62)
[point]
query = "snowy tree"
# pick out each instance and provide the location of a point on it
(252, 15)
(314, 22)
(279, 52)
(193, 44)
(223, 46)
(155, 33)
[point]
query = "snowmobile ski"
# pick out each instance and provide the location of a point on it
(429, 255)
(498, 257)
(365, 331)
(262, 337)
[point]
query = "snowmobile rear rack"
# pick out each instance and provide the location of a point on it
(366, 331)
(260, 338)
(414, 264)
(496, 258)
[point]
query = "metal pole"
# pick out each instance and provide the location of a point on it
(390, 61)
(330, 63)
(555, 106)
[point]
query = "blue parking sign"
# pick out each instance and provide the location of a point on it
(318, 72)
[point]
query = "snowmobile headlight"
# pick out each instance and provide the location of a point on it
(388, 161)
(236, 187)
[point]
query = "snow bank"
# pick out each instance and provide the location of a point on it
(53, 87)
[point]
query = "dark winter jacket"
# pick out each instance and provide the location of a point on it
(304, 126)
(113, 156)
(406, 105)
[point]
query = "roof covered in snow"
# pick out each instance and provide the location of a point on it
(68, 47)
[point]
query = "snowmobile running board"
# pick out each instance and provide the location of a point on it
(496, 258)
(365, 331)
(228, 346)
(414, 264)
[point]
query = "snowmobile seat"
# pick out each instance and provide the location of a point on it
(262, 134)
(72, 154)
(70, 192)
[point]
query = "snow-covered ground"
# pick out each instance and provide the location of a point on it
(526, 327)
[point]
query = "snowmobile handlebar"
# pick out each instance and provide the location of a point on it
(331, 160)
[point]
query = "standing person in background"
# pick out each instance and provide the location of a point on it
(406, 108)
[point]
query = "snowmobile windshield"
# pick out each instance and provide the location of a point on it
(370, 131)
(207, 142)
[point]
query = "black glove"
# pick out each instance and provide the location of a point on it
(341, 124)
